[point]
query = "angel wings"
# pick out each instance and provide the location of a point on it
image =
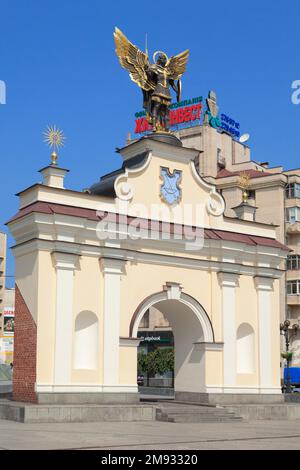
(137, 62)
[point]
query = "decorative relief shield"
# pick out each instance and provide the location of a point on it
(170, 192)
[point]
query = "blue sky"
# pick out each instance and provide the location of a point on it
(58, 62)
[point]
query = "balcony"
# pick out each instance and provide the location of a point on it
(293, 313)
(292, 202)
(293, 227)
(292, 274)
(293, 299)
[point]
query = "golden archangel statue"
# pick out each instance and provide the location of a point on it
(155, 79)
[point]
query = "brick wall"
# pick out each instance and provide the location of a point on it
(24, 372)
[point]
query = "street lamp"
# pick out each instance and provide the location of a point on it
(284, 330)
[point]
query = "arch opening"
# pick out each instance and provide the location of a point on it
(190, 326)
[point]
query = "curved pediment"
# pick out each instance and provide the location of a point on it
(167, 179)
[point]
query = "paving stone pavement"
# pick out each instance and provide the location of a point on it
(281, 435)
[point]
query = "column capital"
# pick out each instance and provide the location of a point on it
(228, 279)
(63, 260)
(263, 283)
(112, 265)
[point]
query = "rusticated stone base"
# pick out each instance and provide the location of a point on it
(30, 413)
(87, 398)
(229, 398)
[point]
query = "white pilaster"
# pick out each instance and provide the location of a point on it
(229, 281)
(112, 270)
(264, 287)
(65, 265)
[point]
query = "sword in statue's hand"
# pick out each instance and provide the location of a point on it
(178, 90)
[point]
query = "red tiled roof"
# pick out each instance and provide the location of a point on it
(234, 237)
(91, 214)
(252, 173)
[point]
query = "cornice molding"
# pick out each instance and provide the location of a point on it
(158, 149)
(114, 257)
(232, 182)
(54, 225)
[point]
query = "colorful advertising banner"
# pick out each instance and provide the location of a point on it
(186, 113)
(8, 321)
(189, 113)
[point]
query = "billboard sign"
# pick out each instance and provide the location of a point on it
(8, 321)
(189, 113)
(186, 113)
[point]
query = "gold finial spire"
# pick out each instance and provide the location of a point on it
(54, 158)
(244, 183)
(55, 138)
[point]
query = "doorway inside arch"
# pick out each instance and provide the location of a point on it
(183, 333)
(156, 354)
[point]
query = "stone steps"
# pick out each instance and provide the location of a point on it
(186, 413)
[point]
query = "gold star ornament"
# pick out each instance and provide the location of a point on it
(55, 138)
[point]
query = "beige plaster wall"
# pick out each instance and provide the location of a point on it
(214, 368)
(88, 296)
(45, 291)
(143, 279)
(128, 365)
(140, 281)
(26, 274)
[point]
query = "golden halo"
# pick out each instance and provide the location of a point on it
(159, 52)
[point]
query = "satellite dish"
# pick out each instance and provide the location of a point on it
(244, 138)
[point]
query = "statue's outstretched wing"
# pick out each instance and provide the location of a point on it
(133, 60)
(176, 65)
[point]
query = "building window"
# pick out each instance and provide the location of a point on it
(293, 287)
(220, 160)
(251, 194)
(292, 190)
(293, 214)
(293, 262)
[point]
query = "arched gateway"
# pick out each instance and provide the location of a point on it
(89, 264)
(192, 331)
